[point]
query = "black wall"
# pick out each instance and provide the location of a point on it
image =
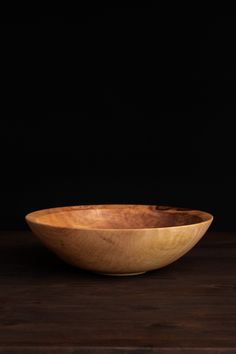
(118, 105)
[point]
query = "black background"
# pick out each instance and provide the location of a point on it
(118, 105)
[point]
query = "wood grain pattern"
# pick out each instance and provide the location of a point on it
(47, 306)
(119, 239)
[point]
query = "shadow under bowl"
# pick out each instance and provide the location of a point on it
(119, 239)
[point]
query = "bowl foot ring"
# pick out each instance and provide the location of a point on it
(121, 274)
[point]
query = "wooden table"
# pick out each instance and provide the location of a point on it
(50, 307)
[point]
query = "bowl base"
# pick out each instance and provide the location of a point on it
(121, 274)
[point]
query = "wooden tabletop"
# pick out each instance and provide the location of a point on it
(47, 306)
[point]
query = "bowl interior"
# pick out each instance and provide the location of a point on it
(118, 216)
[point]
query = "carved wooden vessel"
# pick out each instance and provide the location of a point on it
(119, 239)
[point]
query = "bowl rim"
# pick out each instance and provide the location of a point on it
(31, 217)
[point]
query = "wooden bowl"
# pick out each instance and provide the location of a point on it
(119, 239)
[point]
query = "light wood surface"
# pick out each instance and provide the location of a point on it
(119, 239)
